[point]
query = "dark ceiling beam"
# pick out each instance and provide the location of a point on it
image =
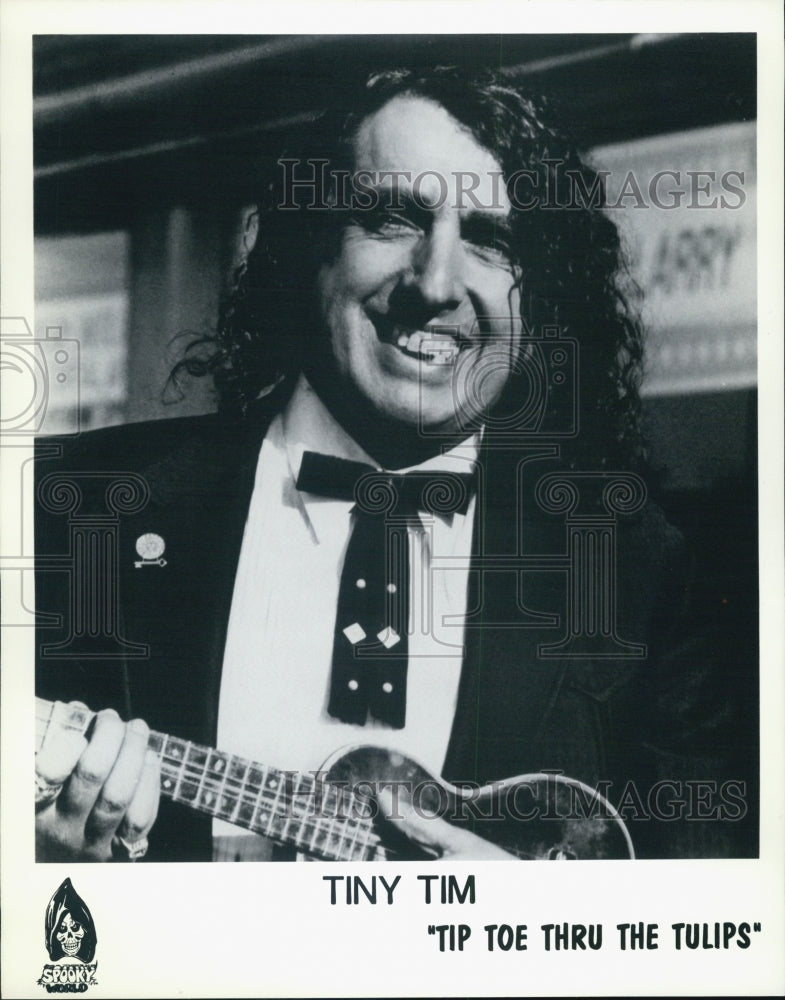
(147, 87)
(573, 59)
(167, 147)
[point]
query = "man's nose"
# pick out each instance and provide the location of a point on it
(439, 265)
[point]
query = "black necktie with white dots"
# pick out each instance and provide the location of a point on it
(370, 641)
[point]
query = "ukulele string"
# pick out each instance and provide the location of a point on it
(255, 795)
(336, 818)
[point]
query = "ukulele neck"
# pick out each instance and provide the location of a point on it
(290, 807)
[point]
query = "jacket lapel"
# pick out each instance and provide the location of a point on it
(507, 690)
(199, 498)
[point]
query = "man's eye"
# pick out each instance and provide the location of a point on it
(489, 239)
(387, 221)
(496, 250)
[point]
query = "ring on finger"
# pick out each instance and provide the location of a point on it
(46, 791)
(129, 850)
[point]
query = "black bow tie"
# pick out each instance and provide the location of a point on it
(375, 492)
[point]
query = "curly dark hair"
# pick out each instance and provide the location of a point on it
(571, 270)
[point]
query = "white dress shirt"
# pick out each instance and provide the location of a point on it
(278, 657)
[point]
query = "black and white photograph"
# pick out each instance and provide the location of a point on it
(391, 438)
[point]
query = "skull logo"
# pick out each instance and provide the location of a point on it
(70, 935)
(70, 930)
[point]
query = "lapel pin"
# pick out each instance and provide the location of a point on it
(151, 548)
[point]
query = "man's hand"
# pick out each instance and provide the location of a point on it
(435, 835)
(110, 788)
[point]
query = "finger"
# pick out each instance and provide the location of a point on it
(121, 783)
(94, 766)
(62, 748)
(143, 809)
(58, 756)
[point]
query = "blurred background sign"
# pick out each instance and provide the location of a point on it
(686, 207)
(82, 292)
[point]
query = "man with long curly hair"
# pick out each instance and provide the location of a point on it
(417, 520)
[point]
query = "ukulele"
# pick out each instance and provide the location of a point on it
(332, 815)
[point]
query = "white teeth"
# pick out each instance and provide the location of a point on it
(434, 348)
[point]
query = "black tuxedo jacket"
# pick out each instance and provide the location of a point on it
(148, 640)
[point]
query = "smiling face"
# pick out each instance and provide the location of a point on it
(420, 304)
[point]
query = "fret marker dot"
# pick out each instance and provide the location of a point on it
(272, 783)
(167, 783)
(361, 584)
(388, 637)
(387, 687)
(354, 633)
(391, 588)
(352, 685)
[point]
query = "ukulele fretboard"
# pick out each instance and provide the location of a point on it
(319, 819)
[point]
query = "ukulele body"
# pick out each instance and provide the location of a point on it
(542, 816)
